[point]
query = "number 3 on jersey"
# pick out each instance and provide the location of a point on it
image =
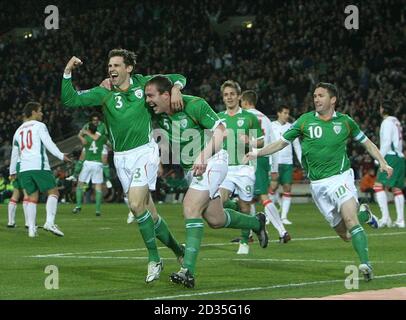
(315, 132)
(27, 138)
(119, 102)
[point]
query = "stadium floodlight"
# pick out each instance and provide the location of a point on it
(248, 24)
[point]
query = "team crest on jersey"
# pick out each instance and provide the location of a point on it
(138, 93)
(337, 129)
(240, 122)
(183, 123)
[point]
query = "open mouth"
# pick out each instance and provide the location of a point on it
(114, 76)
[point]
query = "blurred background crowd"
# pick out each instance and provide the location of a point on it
(280, 49)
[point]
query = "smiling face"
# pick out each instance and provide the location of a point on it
(159, 102)
(231, 98)
(119, 73)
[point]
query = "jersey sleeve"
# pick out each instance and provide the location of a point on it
(48, 143)
(295, 131)
(86, 98)
(14, 157)
(356, 132)
(203, 114)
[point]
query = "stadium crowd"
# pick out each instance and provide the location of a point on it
(290, 47)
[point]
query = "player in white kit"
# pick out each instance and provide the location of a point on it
(282, 173)
(30, 142)
(391, 147)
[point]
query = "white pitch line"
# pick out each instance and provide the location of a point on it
(203, 245)
(226, 259)
(278, 286)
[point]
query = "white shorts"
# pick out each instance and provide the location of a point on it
(240, 179)
(214, 175)
(330, 193)
(138, 167)
(92, 170)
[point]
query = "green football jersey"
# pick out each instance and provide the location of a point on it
(94, 148)
(324, 143)
(186, 128)
(126, 114)
(242, 123)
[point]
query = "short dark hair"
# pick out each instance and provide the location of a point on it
(163, 84)
(30, 107)
(250, 96)
(388, 107)
(331, 89)
(92, 128)
(95, 115)
(281, 107)
(129, 57)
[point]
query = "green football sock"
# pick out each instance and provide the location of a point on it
(99, 197)
(245, 234)
(78, 168)
(238, 220)
(163, 233)
(79, 196)
(194, 235)
(146, 226)
(106, 171)
(360, 243)
(230, 204)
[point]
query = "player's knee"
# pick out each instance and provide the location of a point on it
(54, 192)
(215, 223)
(137, 207)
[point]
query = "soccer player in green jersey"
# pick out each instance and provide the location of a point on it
(197, 134)
(136, 156)
(95, 118)
(92, 166)
(324, 134)
(241, 127)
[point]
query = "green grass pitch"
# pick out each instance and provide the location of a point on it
(104, 258)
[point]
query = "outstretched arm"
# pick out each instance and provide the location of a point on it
(268, 149)
(376, 154)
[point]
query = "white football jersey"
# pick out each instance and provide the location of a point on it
(267, 131)
(30, 142)
(391, 139)
(285, 156)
